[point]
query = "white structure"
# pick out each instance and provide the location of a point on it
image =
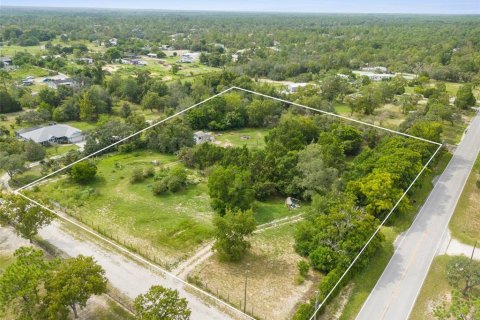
(293, 87)
(374, 76)
(190, 57)
(201, 137)
(54, 133)
(375, 69)
(86, 60)
(152, 55)
(113, 41)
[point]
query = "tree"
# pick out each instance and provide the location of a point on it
(463, 273)
(8, 103)
(152, 100)
(72, 283)
(34, 151)
(162, 304)
(465, 97)
(20, 283)
(430, 130)
(87, 107)
(6, 77)
(377, 193)
(27, 218)
(314, 176)
(350, 138)
(230, 188)
(12, 164)
(83, 172)
(170, 137)
(230, 233)
(126, 111)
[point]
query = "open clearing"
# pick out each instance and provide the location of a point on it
(167, 228)
(271, 265)
(468, 210)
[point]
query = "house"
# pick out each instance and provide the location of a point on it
(55, 83)
(136, 62)
(113, 41)
(152, 55)
(166, 47)
(190, 57)
(53, 133)
(5, 61)
(374, 76)
(375, 69)
(201, 137)
(27, 81)
(293, 87)
(86, 60)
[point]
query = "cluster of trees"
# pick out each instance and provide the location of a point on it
(36, 288)
(463, 274)
(15, 153)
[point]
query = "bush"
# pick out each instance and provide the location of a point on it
(149, 172)
(478, 184)
(83, 172)
(303, 268)
(324, 259)
(159, 187)
(137, 176)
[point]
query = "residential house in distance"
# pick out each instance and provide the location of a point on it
(53, 133)
(152, 55)
(113, 41)
(190, 57)
(5, 61)
(293, 87)
(375, 69)
(135, 62)
(202, 137)
(55, 83)
(86, 60)
(374, 76)
(28, 81)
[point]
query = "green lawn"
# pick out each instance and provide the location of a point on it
(433, 290)
(5, 261)
(60, 149)
(252, 138)
(343, 109)
(465, 223)
(28, 70)
(167, 227)
(11, 50)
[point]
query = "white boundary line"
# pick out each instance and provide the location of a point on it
(138, 257)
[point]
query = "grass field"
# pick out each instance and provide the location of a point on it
(167, 227)
(11, 50)
(272, 290)
(434, 289)
(60, 149)
(465, 223)
(28, 70)
(252, 138)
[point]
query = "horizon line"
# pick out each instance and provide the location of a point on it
(244, 11)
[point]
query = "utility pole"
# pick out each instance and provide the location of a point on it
(316, 304)
(473, 251)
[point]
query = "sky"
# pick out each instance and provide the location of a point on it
(327, 6)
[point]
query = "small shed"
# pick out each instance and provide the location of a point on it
(202, 137)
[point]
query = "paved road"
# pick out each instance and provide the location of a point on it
(396, 291)
(125, 274)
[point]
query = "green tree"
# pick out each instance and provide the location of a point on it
(27, 218)
(20, 283)
(465, 97)
(463, 273)
(12, 164)
(83, 172)
(152, 100)
(72, 283)
(34, 151)
(6, 77)
(430, 130)
(314, 176)
(170, 137)
(230, 188)
(231, 231)
(87, 107)
(161, 303)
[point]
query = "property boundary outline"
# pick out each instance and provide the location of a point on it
(167, 273)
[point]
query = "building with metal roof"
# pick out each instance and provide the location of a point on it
(54, 133)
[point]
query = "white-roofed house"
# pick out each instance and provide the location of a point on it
(54, 133)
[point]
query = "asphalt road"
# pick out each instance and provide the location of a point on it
(395, 293)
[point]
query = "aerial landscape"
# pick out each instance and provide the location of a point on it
(240, 160)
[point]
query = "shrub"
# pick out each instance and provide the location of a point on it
(137, 176)
(83, 172)
(159, 187)
(478, 184)
(149, 172)
(303, 268)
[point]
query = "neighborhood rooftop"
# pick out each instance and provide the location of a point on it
(52, 133)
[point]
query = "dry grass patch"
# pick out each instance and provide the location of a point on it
(272, 288)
